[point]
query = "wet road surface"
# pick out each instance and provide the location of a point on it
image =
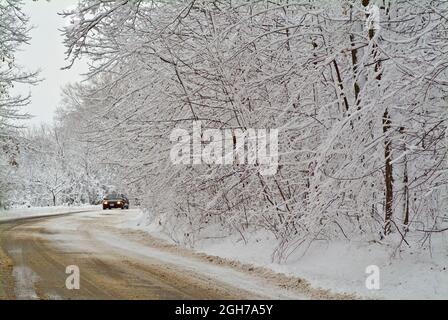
(35, 253)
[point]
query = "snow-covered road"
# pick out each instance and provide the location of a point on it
(113, 263)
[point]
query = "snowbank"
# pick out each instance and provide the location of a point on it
(405, 273)
(18, 213)
(341, 266)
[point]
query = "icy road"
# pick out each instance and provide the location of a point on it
(113, 263)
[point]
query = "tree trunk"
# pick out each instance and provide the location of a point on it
(388, 175)
(405, 184)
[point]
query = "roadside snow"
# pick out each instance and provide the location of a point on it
(20, 213)
(341, 266)
(406, 273)
(222, 273)
(65, 233)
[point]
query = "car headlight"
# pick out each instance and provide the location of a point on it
(119, 202)
(105, 202)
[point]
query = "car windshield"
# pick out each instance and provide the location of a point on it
(113, 196)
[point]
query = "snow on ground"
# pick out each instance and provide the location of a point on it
(406, 273)
(66, 235)
(341, 266)
(227, 275)
(17, 213)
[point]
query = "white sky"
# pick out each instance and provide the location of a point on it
(46, 52)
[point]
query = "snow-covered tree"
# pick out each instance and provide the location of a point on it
(357, 89)
(54, 167)
(14, 30)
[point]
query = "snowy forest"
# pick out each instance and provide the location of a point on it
(358, 90)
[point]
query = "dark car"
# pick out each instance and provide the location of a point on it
(115, 200)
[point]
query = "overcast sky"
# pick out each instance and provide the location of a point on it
(46, 52)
